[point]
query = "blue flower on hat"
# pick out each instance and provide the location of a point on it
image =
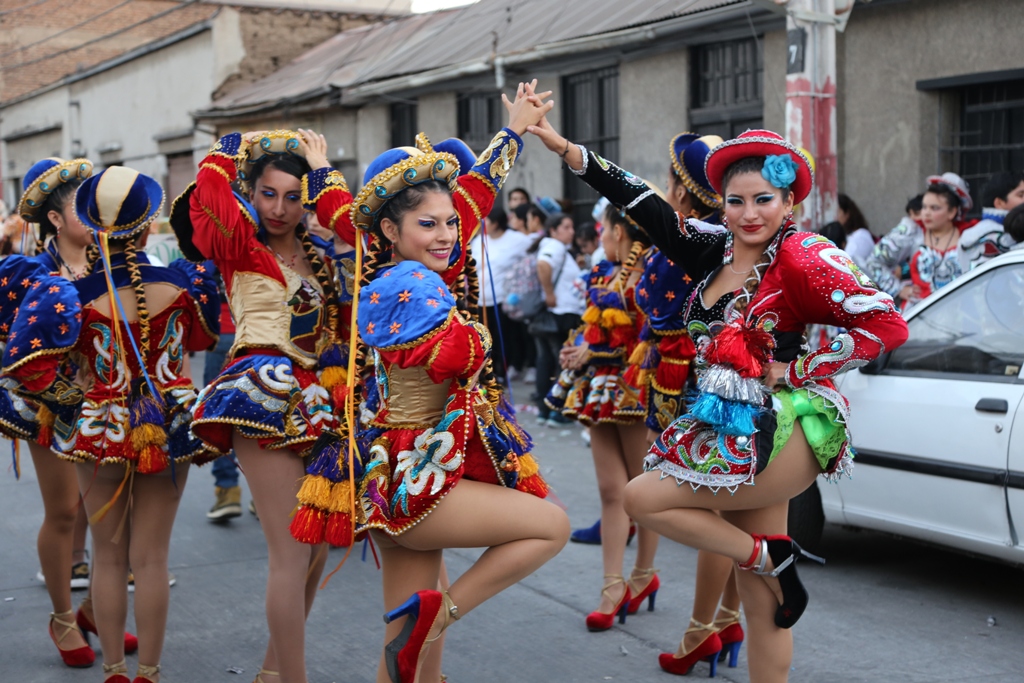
(779, 170)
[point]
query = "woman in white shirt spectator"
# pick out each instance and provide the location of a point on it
(504, 248)
(859, 240)
(557, 271)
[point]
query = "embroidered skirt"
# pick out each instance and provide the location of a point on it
(600, 395)
(692, 452)
(267, 398)
(102, 431)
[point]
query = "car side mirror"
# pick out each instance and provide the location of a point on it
(876, 366)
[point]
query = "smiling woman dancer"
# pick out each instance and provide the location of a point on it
(765, 407)
(446, 463)
(130, 325)
(270, 404)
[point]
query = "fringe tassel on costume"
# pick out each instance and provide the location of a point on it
(146, 432)
(46, 420)
(325, 497)
(727, 417)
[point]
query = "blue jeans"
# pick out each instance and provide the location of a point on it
(225, 469)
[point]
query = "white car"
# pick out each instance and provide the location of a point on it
(938, 425)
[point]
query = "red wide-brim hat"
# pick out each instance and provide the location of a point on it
(759, 143)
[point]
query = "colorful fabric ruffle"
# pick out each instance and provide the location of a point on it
(266, 397)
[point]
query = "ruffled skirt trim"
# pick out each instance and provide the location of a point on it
(101, 433)
(267, 398)
(691, 452)
(601, 395)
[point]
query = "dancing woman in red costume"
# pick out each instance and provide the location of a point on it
(67, 250)
(273, 400)
(129, 326)
(445, 464)
(765, 407)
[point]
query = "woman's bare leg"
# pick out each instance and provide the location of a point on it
(58, 484)
(109, 580)
(690, 517)
(634, 440)
(769, 646)
(405, 572)
(155, 500)
(713, 573)
(317, 562)
(607, 449)
(274, 479)
(520, 531)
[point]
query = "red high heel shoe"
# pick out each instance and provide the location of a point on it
(79, 658)
(731, 634)
(784, 552)
(599, 621)
(423, 609)
(131, 643)
(119, 670)
(648, 593)
(707, 650)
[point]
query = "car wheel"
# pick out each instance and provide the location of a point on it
(806, 518)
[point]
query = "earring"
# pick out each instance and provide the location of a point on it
(727, 256)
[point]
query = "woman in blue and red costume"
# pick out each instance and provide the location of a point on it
(665, 292)
(605, 395)
(765, 407)
(129, 327)
(445, 464)
(67, 250)
(273, 400)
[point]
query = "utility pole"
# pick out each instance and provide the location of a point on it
(811, 27)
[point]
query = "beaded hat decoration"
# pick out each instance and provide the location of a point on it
(45, 176)
(398, 169)
(275, 142)
(781, 155)
(688, 151)
(181, 221)
(958, 185)
(119, 201)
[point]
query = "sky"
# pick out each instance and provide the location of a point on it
(431, 5)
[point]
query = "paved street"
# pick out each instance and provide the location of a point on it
(881, 610)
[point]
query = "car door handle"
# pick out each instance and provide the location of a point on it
(993, 405)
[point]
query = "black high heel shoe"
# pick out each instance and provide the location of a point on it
(784, 552)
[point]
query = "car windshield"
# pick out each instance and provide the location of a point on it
(977, 329)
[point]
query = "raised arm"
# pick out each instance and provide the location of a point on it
(324, 190)
(698, 247)
(222, 231)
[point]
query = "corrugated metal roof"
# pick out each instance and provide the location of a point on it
(423, 42)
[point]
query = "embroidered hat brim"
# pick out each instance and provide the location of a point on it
(274, 143)
(43, 178)
(688, 152)
(403, 167)
(759, 143)
(119, 201)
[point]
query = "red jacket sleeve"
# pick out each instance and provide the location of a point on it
(325, 192)
(222, 231)
(823, 285)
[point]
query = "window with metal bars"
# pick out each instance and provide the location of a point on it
(987, 135)
(403, 124)
(590, 118)
(728, 79)
(479, 118)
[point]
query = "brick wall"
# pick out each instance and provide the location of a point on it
(272, 38)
